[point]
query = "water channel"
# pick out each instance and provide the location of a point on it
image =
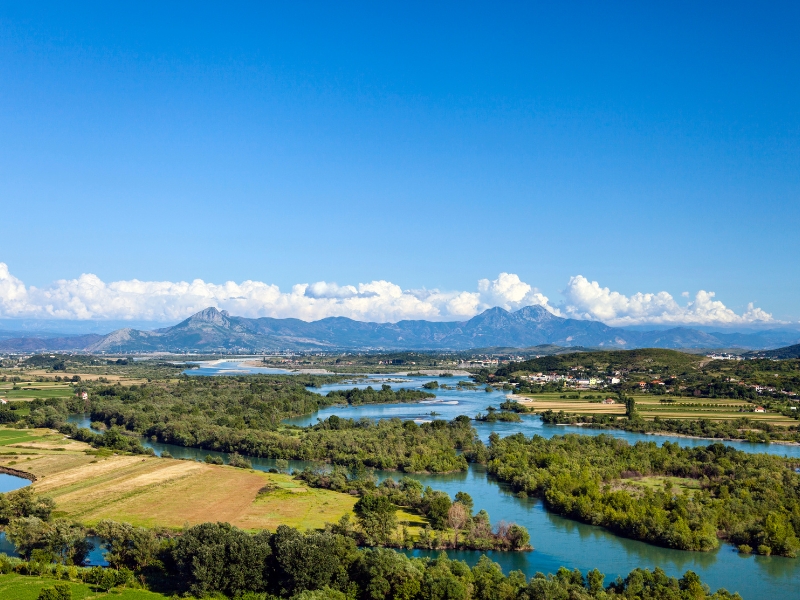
(557, 541)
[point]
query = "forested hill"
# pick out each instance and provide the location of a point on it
(212, 330)
(652, 359)
(779, 353)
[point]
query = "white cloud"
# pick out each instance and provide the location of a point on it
(585, 299)
(511, 293)
(88, 297)
(322, 289)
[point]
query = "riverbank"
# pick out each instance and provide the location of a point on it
(702, 429)
(17, 473)
(677, 435)
(711, 439)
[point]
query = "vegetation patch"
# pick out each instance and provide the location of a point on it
(751, 499)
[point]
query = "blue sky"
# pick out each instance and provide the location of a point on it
(649, 149)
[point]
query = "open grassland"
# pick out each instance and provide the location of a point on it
(156, 492)
(412, 521)
(650, 406)
(23, 587)
(657, 483)
(88, 486)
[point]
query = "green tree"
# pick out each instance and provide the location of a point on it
(25, 503)
(630, 407)
(518, 537)
(446, 579)
(491, 584)
(128, 546)
(27, 534)
(465, 499)
(595, 580)
(381, 573)
(67, 542)
(217, 557)
(377, 517)
(436, 506)
(308, 561)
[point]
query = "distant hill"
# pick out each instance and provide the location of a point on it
(212, 330)
(780, 353)
(77, 343)
(636, 360)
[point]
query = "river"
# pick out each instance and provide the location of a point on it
(557, 541)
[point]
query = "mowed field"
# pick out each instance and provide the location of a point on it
(161, 492)
(650, 406)
(33, 390)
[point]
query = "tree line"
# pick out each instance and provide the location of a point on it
(741, 428)
(219, 559)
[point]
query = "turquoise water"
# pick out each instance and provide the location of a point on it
(557, 541)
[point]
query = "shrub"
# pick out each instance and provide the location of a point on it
(60, 591)
(239, 461)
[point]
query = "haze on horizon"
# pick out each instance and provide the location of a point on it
(631, 164)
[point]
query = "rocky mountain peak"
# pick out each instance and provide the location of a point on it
(535, 313)
(209, 316)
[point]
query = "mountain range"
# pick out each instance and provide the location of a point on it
(212, 330)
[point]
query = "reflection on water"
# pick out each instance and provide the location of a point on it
(95, 557)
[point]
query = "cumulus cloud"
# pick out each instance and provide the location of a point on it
(511, 293)
(323, 289)
(88, 297)
(584, 299)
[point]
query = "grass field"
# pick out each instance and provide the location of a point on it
(650, 406)
(88, 376)
(637, 485)
(160, 492)
(23, 587)
(21, 436)
(31, 391)
(156, 492)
